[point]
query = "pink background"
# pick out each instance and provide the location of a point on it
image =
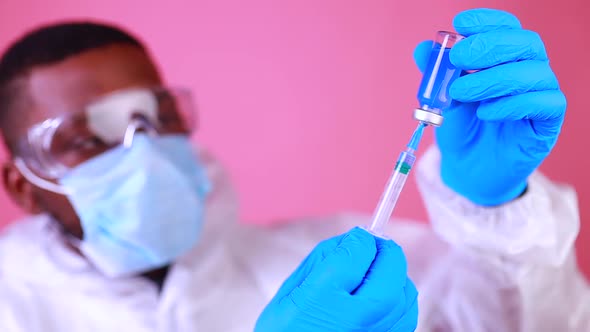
(308, 101)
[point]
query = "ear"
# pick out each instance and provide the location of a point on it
(19, 189)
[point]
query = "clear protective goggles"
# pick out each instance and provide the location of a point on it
(53, 147)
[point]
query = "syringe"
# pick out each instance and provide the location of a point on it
(396, 183)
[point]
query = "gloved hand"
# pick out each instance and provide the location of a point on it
(505, 118)
(352, 282)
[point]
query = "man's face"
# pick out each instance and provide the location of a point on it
(65, 88)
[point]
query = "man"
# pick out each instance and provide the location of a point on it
(100, 156)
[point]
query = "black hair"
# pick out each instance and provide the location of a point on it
(45, 46)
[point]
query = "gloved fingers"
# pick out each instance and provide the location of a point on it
(409, 320)
(345, 267)
(487, 49)
(541, 106)
(459, 127)
(422, 53)
(387, 275)
(504, 80)
(411, 293)
(480, 20)
(404, 318)
(316, 256)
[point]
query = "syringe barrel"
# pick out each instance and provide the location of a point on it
(392, 192)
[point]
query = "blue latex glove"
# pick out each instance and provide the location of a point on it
(505, 118)
(352, 282)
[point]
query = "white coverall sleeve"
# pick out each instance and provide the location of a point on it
(15, 313)
(510, 268)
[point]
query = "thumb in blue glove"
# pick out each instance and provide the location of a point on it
(506, 117)
(353, 282)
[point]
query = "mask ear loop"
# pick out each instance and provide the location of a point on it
(137, 122)
(36, 180)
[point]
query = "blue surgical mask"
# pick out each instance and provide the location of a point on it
(140, 207)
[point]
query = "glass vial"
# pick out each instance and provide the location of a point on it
(433, 94)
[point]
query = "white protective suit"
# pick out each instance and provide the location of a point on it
(509, 268)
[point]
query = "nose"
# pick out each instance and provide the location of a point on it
(138, 123)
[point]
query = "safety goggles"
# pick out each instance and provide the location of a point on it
(53, 147)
